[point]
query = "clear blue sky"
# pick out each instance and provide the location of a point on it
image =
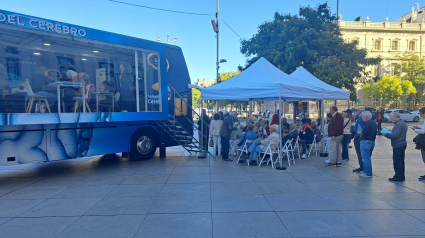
(195, 34)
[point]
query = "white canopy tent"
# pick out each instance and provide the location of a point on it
(329, 92)
(262, 81)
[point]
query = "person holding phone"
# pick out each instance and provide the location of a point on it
(420, 131)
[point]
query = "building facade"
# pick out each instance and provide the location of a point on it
(387, 40)
(204, 82)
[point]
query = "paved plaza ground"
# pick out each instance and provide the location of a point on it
(182, 196)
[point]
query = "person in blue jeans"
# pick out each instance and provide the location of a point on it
(348, 119)
(359, 124)
(367, 143)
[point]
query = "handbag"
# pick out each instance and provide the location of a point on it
(211, 142)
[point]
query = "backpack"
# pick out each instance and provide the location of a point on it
(419, 140)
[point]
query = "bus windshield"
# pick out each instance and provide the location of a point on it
(42, 72)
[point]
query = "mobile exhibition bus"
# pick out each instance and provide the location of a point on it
(69, 91)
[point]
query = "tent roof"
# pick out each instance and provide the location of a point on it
(330, 92)
(262, 81)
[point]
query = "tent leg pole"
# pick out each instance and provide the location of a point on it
(323, 126)
(284, 110)
(201, 140)
(280, 132)
(250, 109)
(348, 104)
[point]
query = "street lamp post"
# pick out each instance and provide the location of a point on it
(166, 41)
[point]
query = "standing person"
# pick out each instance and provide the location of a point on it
(328, 139)
(225, 131)
(367, 143)
(421, 131)
(204, 132)
(335, 132)
(347, 133)
(359, 124)
(303, 115)
(262, 145)
(399, 144)
(306, 137)
(379, 119)
(275, 119)
(215, 128)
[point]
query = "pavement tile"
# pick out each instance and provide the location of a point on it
(146, 179)
(273, 177)
(419, 214)
(61, 207)
(386, 222)
(283, 187)
(106, 179)
(331, 187)
(4, 220)
(228, 169)
(313, 176)
(191, 170)
(34, 192)
(176, 225)
(240, 203)
(231, 178)
(181, 204)
(380, 186)
(104, 226)
(403, 200)
(248, 224)
(13, 207)
(355, 201)
(86, 191)
(228, 189)
(319, 224)
(298, 202)
(41, 227)
(182, 189)
(122, 206)
(142, 190)
(189, 178)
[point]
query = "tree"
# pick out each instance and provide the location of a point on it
(412, 68)
(311, 39)
(389, 89)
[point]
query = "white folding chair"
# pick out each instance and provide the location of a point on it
(288, 150)
(244, 149)
(314, 144)
(297, 147)
(268, 152)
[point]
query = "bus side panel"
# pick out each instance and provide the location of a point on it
(22, 144)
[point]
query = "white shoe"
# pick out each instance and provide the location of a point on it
(327, 161)
(234, 153)
(303, 156)
(361, 174)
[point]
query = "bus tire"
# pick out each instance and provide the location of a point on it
(143, 145)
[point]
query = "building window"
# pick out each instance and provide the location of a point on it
(12, 66)
(378, 45)
(394, 45)
(12, 50)
(375, 70)
(412, 46)
(393, 69)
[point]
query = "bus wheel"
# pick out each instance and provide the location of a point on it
(142, 146)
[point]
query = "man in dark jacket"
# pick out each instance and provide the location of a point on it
(367, 143)
(293, 134)
(335, 133)
(225, 132)
(204, 133)
(399, 144)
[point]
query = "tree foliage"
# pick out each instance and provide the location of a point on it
(412, 68)
(311, 39)
(389, 89)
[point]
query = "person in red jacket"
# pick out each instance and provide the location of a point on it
(275, 120)
(335, 133)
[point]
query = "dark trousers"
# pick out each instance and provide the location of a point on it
(379, 126)
(344, 144)
(225, 146)
(398, 161)
(358, 152)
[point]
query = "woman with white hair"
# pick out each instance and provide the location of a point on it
(263, 144)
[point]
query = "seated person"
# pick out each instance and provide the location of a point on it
(306, 136)
(316, 131)
(235, 139)
(292, 134)
(109, 88)
(262, 145)
(257, 130)
(298, 126)
(250, 135)
(265, 128)
(285, 123)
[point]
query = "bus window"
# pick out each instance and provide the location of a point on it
(48, 72)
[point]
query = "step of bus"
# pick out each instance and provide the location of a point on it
(183, 132)
(172, 126)
(183, 136)
(197, 151)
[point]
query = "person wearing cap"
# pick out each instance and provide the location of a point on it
(367, 143)
(336, 133)
(306, 136)
(348, 120)
(359, 110)
(399, 144)
(261, 146)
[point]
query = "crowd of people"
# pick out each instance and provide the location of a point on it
(227, 134)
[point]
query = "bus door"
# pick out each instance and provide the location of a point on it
(148, 85)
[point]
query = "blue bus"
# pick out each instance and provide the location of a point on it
(69, 91)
